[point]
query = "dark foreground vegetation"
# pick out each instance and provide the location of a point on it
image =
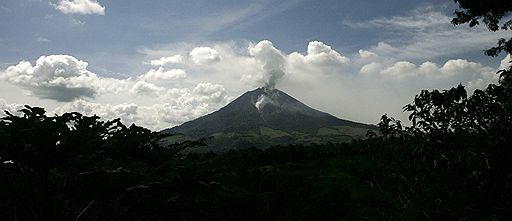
(453, 163)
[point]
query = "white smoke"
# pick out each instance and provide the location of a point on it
(270, 96)
(273, 62)
(262, 101)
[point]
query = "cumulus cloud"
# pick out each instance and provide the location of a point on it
(149, 99)
(204, 55)
(176, 114)
(84, 7)
(174, 106)
(210, 92)
(360, 87)
(320, 53)
(272, 60)
(400, 69)
(128, 112)
(161, 74)
(320, 59)
(458, 68)
(371, 68)
(145, 89)
(175, 59)
(366, 54)
(58, 77)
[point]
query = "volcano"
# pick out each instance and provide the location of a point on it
(265, 117)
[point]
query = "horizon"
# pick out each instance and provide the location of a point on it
(161, 64)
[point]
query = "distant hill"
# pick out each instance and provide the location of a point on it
(265, 117)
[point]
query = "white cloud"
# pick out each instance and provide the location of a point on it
(175, 114)
(161, 74)
(128, 112)
(145, 98)
(460, 69)
(145, 89)
(175, 59)
(371, 68)
(400, 69)
(359, 87)
(506, 62)
(366, 54)
(204, 55)
(320, 59)
(42, 39)
(59, 77)
(84, 7)
(174, 105)
(426, 33)
(420, 18)
(210, 92)
(323, 54)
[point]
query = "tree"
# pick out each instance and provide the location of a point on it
(452, 163)
(70, 166)
(491, 12)
(494, 14)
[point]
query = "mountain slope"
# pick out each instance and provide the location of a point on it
(265, 117)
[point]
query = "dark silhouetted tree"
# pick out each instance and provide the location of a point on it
(495, 14)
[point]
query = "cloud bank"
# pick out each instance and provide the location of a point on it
(188, 82)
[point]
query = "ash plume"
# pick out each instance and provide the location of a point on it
(273, 62)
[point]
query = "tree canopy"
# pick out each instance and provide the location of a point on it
(491, 13)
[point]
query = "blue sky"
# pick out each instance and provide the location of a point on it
(33, 27)
(353, 59)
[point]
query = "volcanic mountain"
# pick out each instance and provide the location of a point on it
(265, 117)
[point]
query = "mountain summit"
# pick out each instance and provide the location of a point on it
(264, 117)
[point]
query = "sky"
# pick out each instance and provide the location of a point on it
(161, 63)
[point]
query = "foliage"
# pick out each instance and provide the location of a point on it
(494, 14)
(75, 167)
(78, 167)
(452, 163)
(491, 13)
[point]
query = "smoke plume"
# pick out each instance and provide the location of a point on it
(273, 62)
(262, 101)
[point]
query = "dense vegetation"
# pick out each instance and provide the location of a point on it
(452, 163)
